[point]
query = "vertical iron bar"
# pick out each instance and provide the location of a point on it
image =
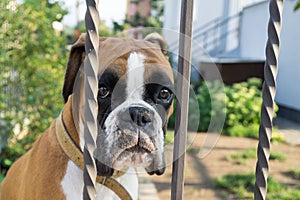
(268, 91)
(183, 84)
(91, 106)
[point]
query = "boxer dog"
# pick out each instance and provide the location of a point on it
(135, 94)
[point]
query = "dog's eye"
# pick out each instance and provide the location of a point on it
(103, 91)
(164, 94)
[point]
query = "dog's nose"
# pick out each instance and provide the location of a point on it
(140, 115)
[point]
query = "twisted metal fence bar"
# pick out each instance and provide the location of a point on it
(268, 92)
(90, 90)
(184, 56)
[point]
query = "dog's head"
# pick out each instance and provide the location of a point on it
(135, 94)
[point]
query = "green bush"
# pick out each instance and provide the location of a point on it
(243, 103)
(206, 94)
(251, 131)
(200, 111)
(242, 108)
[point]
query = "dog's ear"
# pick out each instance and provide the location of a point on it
(158, 39)
(76, 58)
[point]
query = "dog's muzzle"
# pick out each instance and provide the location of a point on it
(132, 136)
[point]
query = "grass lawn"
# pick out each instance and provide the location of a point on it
(241, 186)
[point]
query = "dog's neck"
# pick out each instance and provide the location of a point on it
(68, 120)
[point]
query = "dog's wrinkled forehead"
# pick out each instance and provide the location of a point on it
(115, 52)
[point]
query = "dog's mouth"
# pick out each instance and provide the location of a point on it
(129, 151)
(137, 151)
(135, 156)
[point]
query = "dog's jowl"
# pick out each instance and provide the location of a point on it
(135, 94)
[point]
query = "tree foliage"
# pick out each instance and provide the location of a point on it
(297, 6)
(33, 58)
(155, 19)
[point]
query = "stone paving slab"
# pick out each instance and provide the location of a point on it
(147, 189)
(289, 130)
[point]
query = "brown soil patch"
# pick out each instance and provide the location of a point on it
(199, 172)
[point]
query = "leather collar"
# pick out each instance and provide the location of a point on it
(76, 155)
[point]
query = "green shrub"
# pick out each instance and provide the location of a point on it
(200, 111)
(243, 103)
(206, 94)
(242, 108)
(250, 131)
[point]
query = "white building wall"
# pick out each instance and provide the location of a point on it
(288, 81)
(253, 37)
(171, 20)
(204, 12)
(253, 31)
(172, 14)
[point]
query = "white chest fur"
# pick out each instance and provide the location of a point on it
(72, 184)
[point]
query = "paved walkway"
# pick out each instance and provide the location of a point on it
(289, 130)
(147, 189)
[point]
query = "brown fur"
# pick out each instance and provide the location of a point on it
(37, 174)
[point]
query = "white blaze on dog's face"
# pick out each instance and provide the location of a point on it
(135, 100)
(137, 109)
